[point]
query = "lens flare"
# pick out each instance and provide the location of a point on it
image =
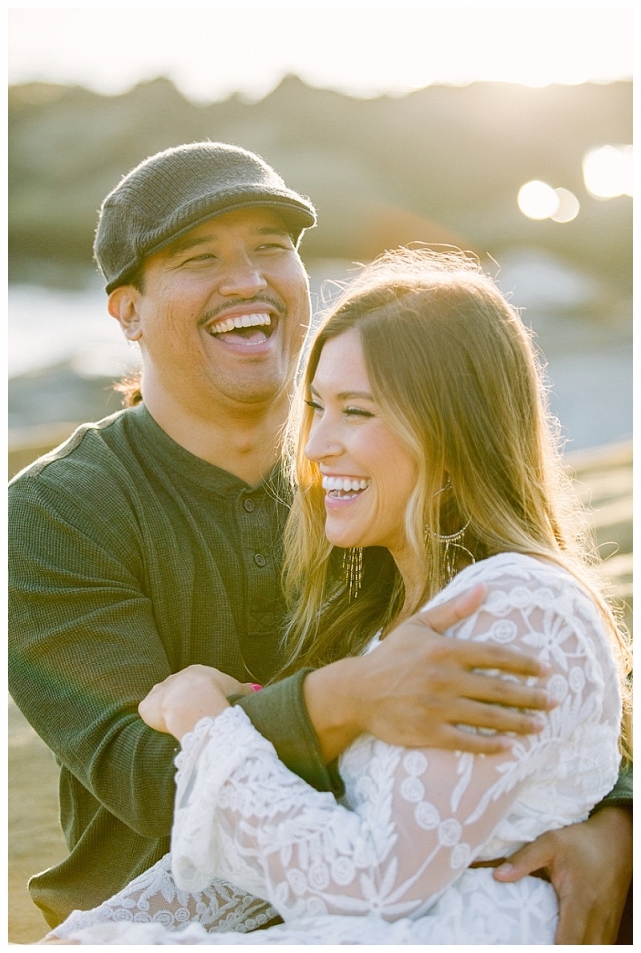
(538, 200)
(608, 171)
(569, 206)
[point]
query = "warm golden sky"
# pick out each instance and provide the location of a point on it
(212, 50)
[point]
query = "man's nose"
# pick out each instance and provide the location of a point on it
(242, 277)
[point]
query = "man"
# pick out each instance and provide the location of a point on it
(151, 541)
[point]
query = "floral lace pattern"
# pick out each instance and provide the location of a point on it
(391, 861)
(154, 898)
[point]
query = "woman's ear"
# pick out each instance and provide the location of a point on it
(123, 306)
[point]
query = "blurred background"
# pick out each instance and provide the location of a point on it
(505, 131)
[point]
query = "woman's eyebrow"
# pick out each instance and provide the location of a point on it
(348, 394)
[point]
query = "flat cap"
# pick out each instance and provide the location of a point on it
(175, 190)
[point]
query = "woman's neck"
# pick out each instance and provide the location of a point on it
(411, 605)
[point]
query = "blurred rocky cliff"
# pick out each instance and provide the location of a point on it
(443, 164)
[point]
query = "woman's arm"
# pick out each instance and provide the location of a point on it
(421, 816)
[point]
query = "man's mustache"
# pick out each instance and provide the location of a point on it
(213, 313)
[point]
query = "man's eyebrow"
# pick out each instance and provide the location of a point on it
(185, 244)
(272, 230)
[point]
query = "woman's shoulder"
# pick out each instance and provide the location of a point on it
(519, 579)
(512, 566)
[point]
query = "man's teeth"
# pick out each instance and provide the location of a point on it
(344, 484)
(240, 321)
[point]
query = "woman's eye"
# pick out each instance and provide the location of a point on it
(314, 406)
(357, 412)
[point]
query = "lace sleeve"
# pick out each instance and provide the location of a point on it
(417, 818)
(154, 898)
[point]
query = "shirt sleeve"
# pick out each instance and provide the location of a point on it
(293, 737)
(417, 817)
(84, 648)
(622, 794)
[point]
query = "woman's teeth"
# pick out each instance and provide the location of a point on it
(342, 487)
(241, 321)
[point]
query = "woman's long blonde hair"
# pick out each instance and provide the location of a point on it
(455, 373)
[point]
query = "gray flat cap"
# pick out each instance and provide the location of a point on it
(174, 191)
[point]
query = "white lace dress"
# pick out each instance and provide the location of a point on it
(389, 865)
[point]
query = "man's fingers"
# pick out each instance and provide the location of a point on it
(478, 654)
(495, 691)
(456, 739)
(440, 618)
(527, 860)
(497, 718)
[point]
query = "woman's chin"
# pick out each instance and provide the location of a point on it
(346, 542)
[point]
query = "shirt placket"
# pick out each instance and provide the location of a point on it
(262, 577)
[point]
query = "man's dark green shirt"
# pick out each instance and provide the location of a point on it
(131, 559)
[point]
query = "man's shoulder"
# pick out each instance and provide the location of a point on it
(89, 466)
(89, 446)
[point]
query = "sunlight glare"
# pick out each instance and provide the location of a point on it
(608, 171)
(362, 52)
(569, 206)
(538, 200)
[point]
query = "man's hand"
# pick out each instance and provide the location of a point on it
(417, 687)
(177, 704)
(590, 867)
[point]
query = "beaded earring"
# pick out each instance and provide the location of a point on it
(453, 546)
(353, 570)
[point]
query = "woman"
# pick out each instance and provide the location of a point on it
(425, 466)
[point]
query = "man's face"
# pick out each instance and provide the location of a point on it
(222, 314)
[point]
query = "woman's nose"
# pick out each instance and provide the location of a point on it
(322, 442)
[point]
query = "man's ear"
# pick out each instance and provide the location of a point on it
(123, 306)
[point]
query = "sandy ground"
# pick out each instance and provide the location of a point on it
(35, 838)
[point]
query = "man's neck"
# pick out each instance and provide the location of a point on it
(246, 443)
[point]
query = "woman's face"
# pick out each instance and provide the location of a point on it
(368, 474)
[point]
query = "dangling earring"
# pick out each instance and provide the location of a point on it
(353, 570)
(452, 542)
(450, 558)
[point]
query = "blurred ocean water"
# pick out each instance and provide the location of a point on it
(584, 334)
(50, 326)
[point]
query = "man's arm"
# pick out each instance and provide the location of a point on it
(413, 690)
(589, 865)
(418, 687)
(590, 868)
(84, 649)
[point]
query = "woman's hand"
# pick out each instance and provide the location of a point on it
(175, 705)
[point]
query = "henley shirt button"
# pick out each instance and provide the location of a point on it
(249, 506)
(260, 560)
